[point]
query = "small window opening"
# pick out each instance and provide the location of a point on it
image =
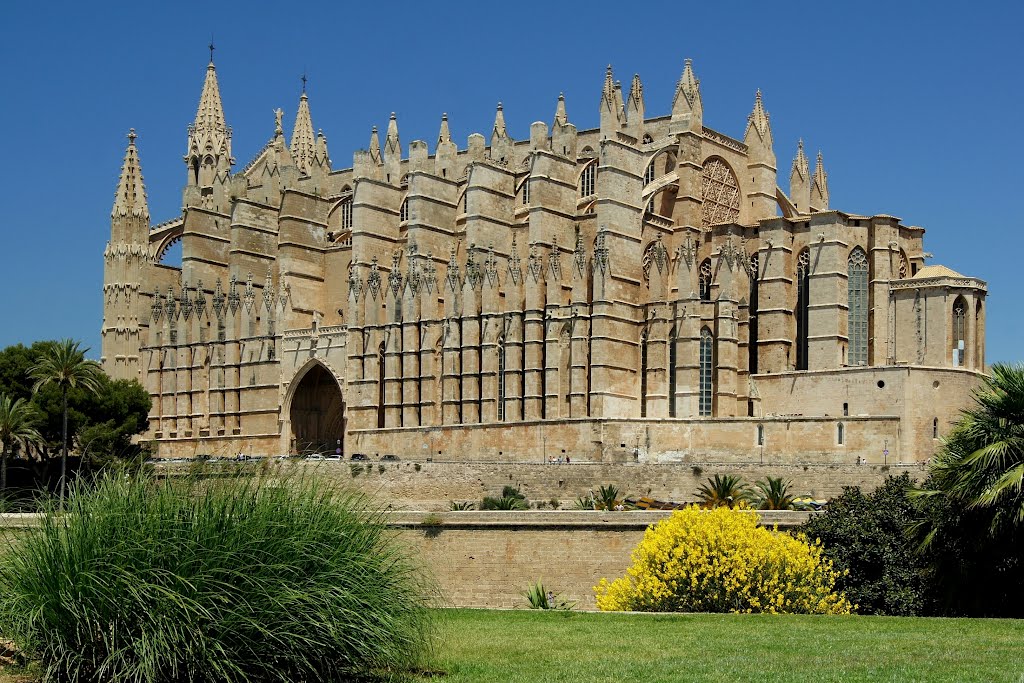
(841, 433)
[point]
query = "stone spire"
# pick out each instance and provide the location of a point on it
(444, 155)
(560, 116)
(819, 186)
(444, 135)
(208, 157)
(761, 192)
(392, 145)
(799, 181)
(687, 105)
(501, 143)
(303, 145)
(322, 158)
(635, 109)
(758, 123)
(375, 146)
(392, 152)
(130, 200)
(611, 105)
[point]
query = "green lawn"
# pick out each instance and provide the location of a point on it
(535, 646)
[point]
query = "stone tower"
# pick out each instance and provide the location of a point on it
(126, 255)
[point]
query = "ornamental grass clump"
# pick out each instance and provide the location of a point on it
(213, 580)
(720, 560)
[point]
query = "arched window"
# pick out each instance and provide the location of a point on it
(704, 280)
(526, 192)
(403, 212)
(501, 379)
(380, 386)
(649, 173)
(720, 193)
(841, 434)
(959, 331)
(935, 427)
(648, 139)
(752, 330)
(346, 214)
(857, 314)
(979, 337)
(803, 293)
(588, 179)
(760, 435)
(707, 354)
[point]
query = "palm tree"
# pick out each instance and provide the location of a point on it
(722, 490)
(981, 464)
(772, 493)
(17, 427)
(64, 365)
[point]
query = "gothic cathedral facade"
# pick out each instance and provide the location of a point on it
(643, 291)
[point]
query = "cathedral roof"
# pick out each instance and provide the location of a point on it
(936, 271)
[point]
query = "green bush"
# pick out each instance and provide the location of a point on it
(213, 580)
(865, 535)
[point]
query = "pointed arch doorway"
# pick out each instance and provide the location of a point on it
(316, 413)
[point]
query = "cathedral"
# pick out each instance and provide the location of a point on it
(645, 291)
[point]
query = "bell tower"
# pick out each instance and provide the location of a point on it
(124, 260)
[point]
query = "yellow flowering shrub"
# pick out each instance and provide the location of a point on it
(720, 560)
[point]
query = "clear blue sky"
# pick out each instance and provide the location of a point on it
(916, 107)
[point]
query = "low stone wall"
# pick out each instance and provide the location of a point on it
(488, 559)
(433, 485)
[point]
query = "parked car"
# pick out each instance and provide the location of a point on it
(359, 456)
(389, 456)
(314, 456)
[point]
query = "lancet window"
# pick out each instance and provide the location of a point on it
(803, 293)
(752, 330)
(857, 313)
(707, 353)
(588, 180)
(959, 331)
(704, 277)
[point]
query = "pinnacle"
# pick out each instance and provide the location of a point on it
(130, 198)
(303, 146)
(758, 120)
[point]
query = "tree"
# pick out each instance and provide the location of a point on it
(864, 534)
(63, 365)
(18, 418)
(771, 493)
(970, 526)
(981, 463)
(722, 490)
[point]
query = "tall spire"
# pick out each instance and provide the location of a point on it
(444, 135)
(209, 157)
(799, 181)
(130, 199)
(759, 123)
(374, 146)
(612, 112)
(303, 145)
(819, 187)
(392, 146)
(560, 116)
(687, 105)
(800, 163)
(210, 116)
(635, 109)
(499, 123)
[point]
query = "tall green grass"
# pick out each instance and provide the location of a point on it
(218, 580)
